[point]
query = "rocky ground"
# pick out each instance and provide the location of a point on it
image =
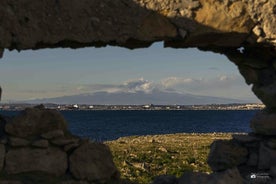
(141, 158)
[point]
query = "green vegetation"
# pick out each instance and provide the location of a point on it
(140, 159)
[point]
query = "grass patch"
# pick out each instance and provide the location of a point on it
(141, 158)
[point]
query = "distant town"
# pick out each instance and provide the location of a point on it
(61, 107)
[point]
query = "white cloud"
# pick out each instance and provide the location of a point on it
(220, 86)
(136, 85)
(177, 81)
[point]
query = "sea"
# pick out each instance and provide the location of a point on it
(110, 125)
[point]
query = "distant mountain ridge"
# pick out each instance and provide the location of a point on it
(137, 98)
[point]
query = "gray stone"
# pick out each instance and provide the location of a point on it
(257, 30)
(18, 142)
(264, 123)
(34, 122)
(225, 154)
(93, 162)
(53, 134)
(2, 156)
(51, 160)
(165, 179)
(41, 143)
(267, 157)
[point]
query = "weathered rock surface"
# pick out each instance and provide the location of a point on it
(51, 160)
(93, 162)
(264, 123)
(135, 23)
(34, 122)
(40, 143)
(53, 134)
(18, 142)
(267, 158)
(226, 155)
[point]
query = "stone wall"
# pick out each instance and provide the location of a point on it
(36, 147)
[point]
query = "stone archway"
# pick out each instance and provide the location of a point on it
(218, 26)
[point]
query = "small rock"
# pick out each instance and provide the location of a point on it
(257, 30)
(2, 156)
(93, 162)
(162, 149)
(53, 134)
(165, 179)
(226, 154)
(18, 142)
(141, 166)
(41, 143)
(183, 33)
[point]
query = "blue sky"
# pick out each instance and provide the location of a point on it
(58, 72)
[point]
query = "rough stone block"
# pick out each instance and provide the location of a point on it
(51, 160)
(34, 122)
(267, 157)
(93, 162)
(226, 155)
(264, 123)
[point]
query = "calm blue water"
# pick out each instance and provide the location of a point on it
(109, 125)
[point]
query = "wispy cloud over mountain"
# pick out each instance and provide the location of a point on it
(171, 90)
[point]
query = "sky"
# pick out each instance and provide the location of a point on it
(49, 73)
